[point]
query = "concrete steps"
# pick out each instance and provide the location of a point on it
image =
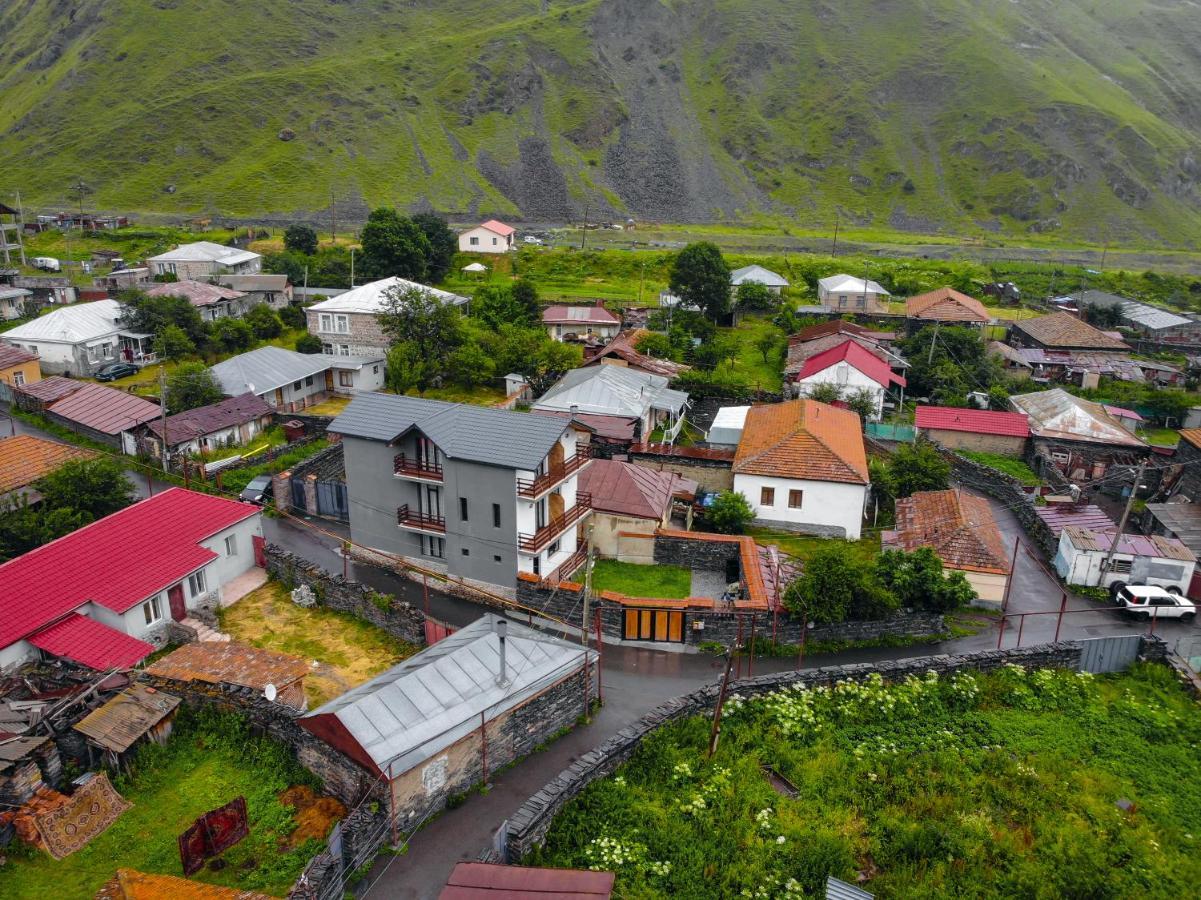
(204, 632)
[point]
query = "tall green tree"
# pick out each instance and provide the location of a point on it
(191, 385)
(264, 321)
(433, 330)
(394, 246)
(496, 305)
(945, 363)
(443, 244)
(97, 487)
(299, 238)
(700, 276)
(836, 586)
(919, 580)
(24, 528)
(918, 467)
(730, 512)
(754, 296)
(230, 336)
(173, 344)
(150, 315)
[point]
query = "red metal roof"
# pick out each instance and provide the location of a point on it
(855, 355)
(105, 409)
(91, 643)
(977, 421)
(629, 490)
(53, 388)
(116, 562)
(488, 881)
(575, 314)
(14, 356)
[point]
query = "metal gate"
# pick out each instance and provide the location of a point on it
(1109, 654)
(332, 500)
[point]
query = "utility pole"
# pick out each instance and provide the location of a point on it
(162, 399)
(933, 340)
(715, 731)
(333, 223)
(834, 249)
(1117, 535)
(585, 624)
(641, 281)
(306, 281)
(352, 268)
(20, 228)
(584, 227)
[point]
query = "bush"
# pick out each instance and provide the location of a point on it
(918, 467)
(919, 581)
(308, 343)
(264, 321)
(730, 513)
(835, 586)
(293, 316)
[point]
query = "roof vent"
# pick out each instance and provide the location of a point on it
(502, 677)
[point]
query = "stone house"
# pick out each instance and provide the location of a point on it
(213, 301)
(274, 290)
(983, 430)
(1063, 331)
(202, 259)
(74, 340)
(626, 497)
(348, 324)
(226, 423)
(277, 676)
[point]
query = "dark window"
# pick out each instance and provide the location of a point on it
(496, 558)
(295, 385)
(537, 565)
(794, 499)
(767, 496)
(496, 515)
(465, 551)
(463, 508)
(308, 382)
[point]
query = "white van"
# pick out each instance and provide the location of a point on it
(46, 264)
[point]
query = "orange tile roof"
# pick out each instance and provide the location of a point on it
(130, 884)
(24, 459)
(802, 439)
(1192, 435)
(946, 305)
(959, 527)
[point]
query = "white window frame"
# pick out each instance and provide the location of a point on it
(151, 611)
(18, 377)
(345, 378)
(325, 322)
(342, 324)
(231, 545)
(196, 583)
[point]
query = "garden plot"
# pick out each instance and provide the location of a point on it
(1015, 783)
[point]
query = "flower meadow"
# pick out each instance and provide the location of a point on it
(1015, 783)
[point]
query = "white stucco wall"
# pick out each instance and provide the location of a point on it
(488, 241)
(559, 329)
(52, 352)
(849, 380)
(824, 503)
(226, 568)
(989, 587)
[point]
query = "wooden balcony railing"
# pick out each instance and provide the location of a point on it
(567, 568)
(531, 488)
(411, 518)
(532, 543)
(416, 468)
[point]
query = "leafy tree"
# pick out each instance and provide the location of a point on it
(300, 238)
(525, 296)
(495, 305)
(767, 342)
(470, 365)
(150, 315)
(515, 349)
(1168, 405)
(881, 481)
(700, 277)
(836, 586)
(949, 362)
(231, 336)
(394, 245)
(308, 343)
(919, 581)
(293, 316)
(863, 402)
(173, 344)
(553, 359)
(706, 355)
(998, 398)
(918, 467)
(443, 244)
(652, 343)
(96, 487)
(407, 368)
(433, 329)
(825, 392)
(1103, 317)
(753, 295)
(191, 385)
(24, 528)
(730, 513)
(264, 321)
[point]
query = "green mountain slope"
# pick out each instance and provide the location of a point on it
(1079, 117)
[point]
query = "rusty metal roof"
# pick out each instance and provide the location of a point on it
(489, 881)
(119, 723)
(105, 409)
(231, 663)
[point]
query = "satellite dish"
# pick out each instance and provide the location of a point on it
(270, 692)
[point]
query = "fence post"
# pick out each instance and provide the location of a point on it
(750, 660)
(1021, 627)
(1058, 622)
(1001, 631)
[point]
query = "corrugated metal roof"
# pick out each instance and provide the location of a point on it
(1151, 317)
(430, 700)
(840, 890)
(70, 324)
(206, 251)
(126, 717)
(850, 284)
(1062, 329)
(630, 490)
(593, 314)
(976, 421)
(14, 356)
(480, 434)
(267, 368)
(1058, 414)
(612, 391)
(373, 296)
(91, 643)
(1129, 544)
(198, 293)
(105, 409)
(53, 388)
(1182, 519)
(757, 274)
(855, 355)
(1058, 516)
(194, 423)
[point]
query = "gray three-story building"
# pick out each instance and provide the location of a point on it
(476, 492)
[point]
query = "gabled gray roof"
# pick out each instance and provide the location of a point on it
(612, 391)
(432, 699)
(266, 369)
(480, 434)
(757, 273)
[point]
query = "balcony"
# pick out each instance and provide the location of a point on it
(533, 543)
(408, 467)
(419, 521)
(532, 489)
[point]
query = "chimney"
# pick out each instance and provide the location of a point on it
(575, 410)
(502, 628)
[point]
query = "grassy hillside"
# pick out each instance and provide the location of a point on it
(1079, 118)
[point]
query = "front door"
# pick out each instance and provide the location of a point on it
(179, 611)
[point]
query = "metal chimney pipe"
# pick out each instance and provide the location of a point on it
(502, 628)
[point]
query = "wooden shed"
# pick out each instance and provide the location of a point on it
(137, 712)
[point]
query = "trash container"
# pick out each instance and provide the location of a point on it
(293, 430)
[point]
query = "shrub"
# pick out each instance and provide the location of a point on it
(730, 513)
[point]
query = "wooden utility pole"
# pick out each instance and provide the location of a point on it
(834, 249)
(1117, 535)
(933, 341)
(352, 268)
(584, 227)
(585, 622)
(333, 223)
(162, 401)
(715, 731)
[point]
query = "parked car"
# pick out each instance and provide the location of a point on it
(530, 239)
(113, 371)
(1149, 601)
(46, 263)
(258, 490)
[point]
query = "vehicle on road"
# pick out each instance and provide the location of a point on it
(113, 371)
(530, 239)
(1151, 602)
(258, 490)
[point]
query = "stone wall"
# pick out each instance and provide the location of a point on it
(527, 827)
(314, 426)
(698, 553)
(397, 617)
(713, 475)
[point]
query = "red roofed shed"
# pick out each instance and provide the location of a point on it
(982, 430)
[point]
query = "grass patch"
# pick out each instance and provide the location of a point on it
(235, 480)
(1007, 464)
(803, 546)
(331, 407)
(481, 395)
(985, 785)
(210, 759)
(349, 650)
(633, 580)
(1161, 437)
(750, 365)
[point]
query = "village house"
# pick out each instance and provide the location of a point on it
(478, 492)
(435, 725)
(15, 302)
(18, 367)
(1076, 437)
(227, 423)
(621, 351)
(277, 676)
(488, 237)
(846, 293)
(123, 279)
(850, 367)
(1150, 321)
(983, 430)
(104, 595)
(39, 395)
(774, 283)
(45, 290)
(212, 300)
(626, 497)
(1137, 559)
(961, 529)
(104, 414)
(292, 381)
(274, 290)
(577, 323)
(203, 259)
(948, 306)
(802, 466)
(1063, 331)
(618, 392)
(74, 340)
(23, 460)
(348, 324)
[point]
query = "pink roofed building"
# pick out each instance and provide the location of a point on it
(851, 368)
(982, 430)
(572, 322)
(488, 237)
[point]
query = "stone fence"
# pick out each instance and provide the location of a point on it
(527, 828)
(397, 617)
(314, 426)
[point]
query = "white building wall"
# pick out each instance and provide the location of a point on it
(848, 379)
(15, 654)
(486, 241)
(225, 567)
(826, 504)
(52, 353)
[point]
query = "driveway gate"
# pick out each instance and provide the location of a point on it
(1109, 654)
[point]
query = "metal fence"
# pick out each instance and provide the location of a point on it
(883, 431)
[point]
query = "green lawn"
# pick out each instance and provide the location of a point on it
(1006, 464)
(482, 395)
(1046, 783)
(761, 373)
(1162, 437)
(802, 546)
(209, 760)
(633, 580)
